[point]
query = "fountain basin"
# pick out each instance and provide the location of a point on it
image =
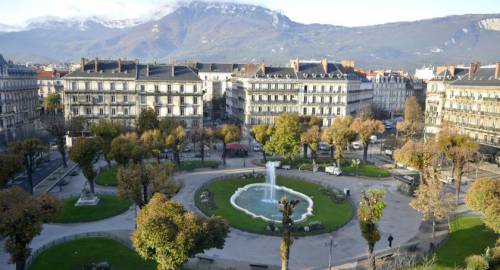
(252, 200)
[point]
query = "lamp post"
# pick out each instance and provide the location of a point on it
(332, 244)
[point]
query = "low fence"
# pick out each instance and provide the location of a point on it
(35, 253)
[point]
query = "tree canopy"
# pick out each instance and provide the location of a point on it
(365, 128)
(170, 235)
(10, 165)
(420, 156)
(106, 131)
(84, 151)
(227, 134)
(148, 119)
(484, 196)
(285, 140)
(29, 150)
(52, 102)
(338, 135)
(413, 123)
(154, 142)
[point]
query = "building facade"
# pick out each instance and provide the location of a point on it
(119, 90)
(389, 91)
(19, 103)
(327, 90)
(50, 82)
(470, 102)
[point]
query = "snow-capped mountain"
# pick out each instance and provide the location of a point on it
(232, 32)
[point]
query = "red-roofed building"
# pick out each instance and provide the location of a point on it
(50, 82)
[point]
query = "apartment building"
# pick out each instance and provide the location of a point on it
(50, 82)
(261, 93)
(119, 90)
(436, 93)
(19, 101)
(389, 91)
(472, 104)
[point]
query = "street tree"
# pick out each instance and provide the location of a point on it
(29, 150)
(227, 134)
(370, 210)
(413, 123)
(287, 208)
(106, 131)
(339, 134)
(307, 122)
(21, 219)
(138, 182)
(365, 128)
(311, 138)
(148, 119)
(58, 128)
(10, 165)
(176, 141)
(169, 235)
(154, 142)
(421, 156)
(203, 136)
(124, 148)
(76, 126)
(84, 152)
(459, 149)
(432, 201)
(262, 135)
(285, 140)
(484, 196)
(52, 103)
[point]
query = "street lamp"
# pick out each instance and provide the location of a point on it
(332, 244)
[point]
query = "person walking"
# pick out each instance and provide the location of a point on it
(390, 239)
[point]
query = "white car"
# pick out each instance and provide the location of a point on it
(388, 152)
(373, 139)
(333, 170)
(257, 148)
(356, 145)
(324, 147)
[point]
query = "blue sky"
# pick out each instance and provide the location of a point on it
(338, 12)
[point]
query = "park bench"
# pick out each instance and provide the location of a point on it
(260, 266)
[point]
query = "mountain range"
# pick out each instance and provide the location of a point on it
(241, 33)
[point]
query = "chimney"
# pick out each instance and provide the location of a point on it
(295, 64)
(119, 65)
(83, 61)
(147, 70)
(96, 64)
(473, 68)
(324, 64)
(497, 71)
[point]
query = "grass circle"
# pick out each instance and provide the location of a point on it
(109, 206)
(326, 210)
(76, 254)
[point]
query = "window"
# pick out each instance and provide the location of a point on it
(125, 86)
(314, 88)
(113, 111)
(87, 86)
(143, 88)
(157, 88)
(268, 98)
(182, 100)
(75, 111)
(113, 98)
(338, 111)
(339, 89)
(100, 98)
(169, 110)
(195, 100)
(253, 86)
(75, 98)
(73, 86)
(305, 88)
(322, 88)
(88, 111)
(157, 99)
(313, 110)
(304, 112)
(101, 111)
(260, 97)
(99, 86)
(276, 86)
(284, 97)
(181, 88)
(276, 97)
(253, 98)
(112, 86)
(195, 88)
(305, 99)
(88, 98)
(195, 110)
(182, 111)
(125, 98)
(143, 100)
(169, 99)
(125, 111)
(169, 88)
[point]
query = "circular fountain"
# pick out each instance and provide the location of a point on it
(261, 200)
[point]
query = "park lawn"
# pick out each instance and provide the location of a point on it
(332, 215)
(75, 254)
(107, 177)
(469, 236)
(108, 206)
(366, 170)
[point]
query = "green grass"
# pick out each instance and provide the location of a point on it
(73, 255)
(366, 170)
(468, 237)
(191, 165)
(107, 177)
(108, 206)
(332, 215)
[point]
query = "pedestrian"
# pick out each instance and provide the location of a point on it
(244, 163)
(390, 238)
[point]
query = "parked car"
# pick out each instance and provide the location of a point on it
(257, 148)
(324, 147)
(447, 179)
(333, 170)
(373, 139)
(388, 152)
(356, 145)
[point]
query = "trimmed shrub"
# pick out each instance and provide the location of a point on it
(476, 262)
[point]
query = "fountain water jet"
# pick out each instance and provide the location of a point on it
(270, 193)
